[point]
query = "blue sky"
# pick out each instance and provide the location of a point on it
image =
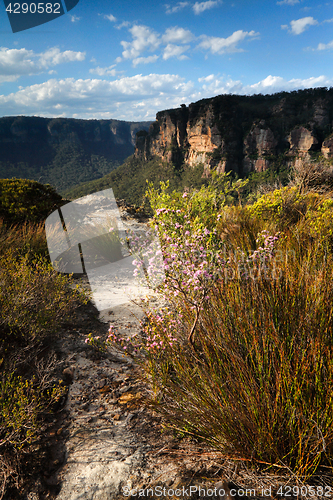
(129, 59)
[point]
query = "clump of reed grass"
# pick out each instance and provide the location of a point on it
(26, 238)
(258, 379)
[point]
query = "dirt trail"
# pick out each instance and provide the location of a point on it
(107, 442)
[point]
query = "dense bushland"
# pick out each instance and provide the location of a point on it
(63, 152)
(242, 354)
(24, 200)
(34, 302)
(129, 180)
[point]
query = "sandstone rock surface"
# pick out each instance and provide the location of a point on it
(242, 133)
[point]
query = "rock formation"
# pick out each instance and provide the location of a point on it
(243, 133)
(327, 147)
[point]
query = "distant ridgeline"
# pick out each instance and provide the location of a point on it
(243, 134)
(64, 152)
(261, 136)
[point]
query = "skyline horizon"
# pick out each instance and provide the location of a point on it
(127, 63)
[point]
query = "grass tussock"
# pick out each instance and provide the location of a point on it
(27, 238)
(258, 378)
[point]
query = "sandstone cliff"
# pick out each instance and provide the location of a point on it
(243, 133)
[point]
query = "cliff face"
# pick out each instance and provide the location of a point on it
(63, 151)
(243, 133)
(20, 130)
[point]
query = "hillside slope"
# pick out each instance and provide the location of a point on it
(64, 152)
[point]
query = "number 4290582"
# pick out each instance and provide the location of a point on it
(34, 8)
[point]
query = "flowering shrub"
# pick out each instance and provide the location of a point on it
(241, 354)
(96, 343)
(241, 312)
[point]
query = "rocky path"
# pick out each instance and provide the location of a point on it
(108, 445)
(107, 442)
(101, 451)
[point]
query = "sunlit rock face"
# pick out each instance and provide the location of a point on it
(259, 145)
(327, 147)
(301, 140)
(243, 133)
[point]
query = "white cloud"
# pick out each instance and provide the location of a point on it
(175, 51)
(325, 46)
(18, 62)
(104, 71)
(145, 60)
(110, 17)
(177, 35)
(176, 8)
(273, 84)
(288, 2)
(89, 98)
(300, 25)
(200, 7)
(208, 78)
(135, 98)
(212, 86)
(124, 24)
(169, 43)
(143, 39)
(75, 19)
(54, 56)
(8, 78)
(222, 45)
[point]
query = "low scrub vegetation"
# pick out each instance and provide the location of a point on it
(25, 200)
(34, 301)
(241, 356)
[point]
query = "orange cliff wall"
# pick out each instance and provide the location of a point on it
(242, 134)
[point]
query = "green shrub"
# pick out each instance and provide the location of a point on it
(283, 207)
(22, 199)
(34, 298)
(34, 301)
(320, 221)
(241, 355)
(201, 205)
(21, 403)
